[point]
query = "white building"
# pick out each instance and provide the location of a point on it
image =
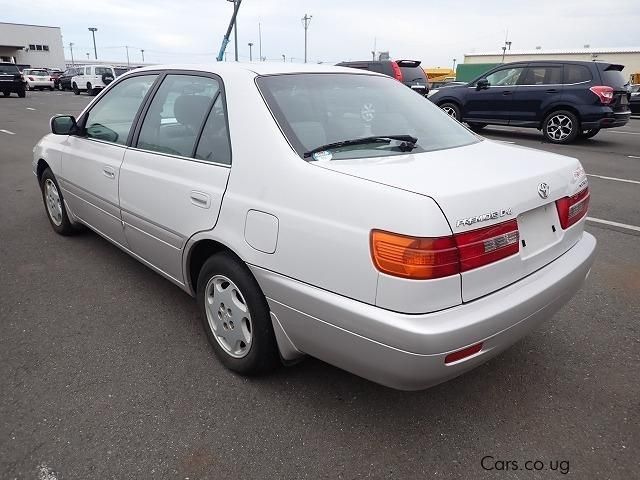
(31, 45)
(629, 57)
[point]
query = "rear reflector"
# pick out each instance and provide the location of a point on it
(487, 245)
(604, 93)
(572, 209)
(464, 353)
(422, 258)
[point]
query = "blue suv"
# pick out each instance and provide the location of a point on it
(564, 99)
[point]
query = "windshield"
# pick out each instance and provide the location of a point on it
(319, 109)
(9, 69)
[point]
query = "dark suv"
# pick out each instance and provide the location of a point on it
(64, 80)
(408, 72)
(11, 80)
(565, 100)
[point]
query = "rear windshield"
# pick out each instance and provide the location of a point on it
(41, 73)
(411, 74)
(101, 70)
(317, 109)
(613, 77)
(9, 69)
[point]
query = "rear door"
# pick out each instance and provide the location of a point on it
(91, 162)
(173, 178)
(493, 104)
(539, 87)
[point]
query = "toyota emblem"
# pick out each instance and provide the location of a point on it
(543, 190)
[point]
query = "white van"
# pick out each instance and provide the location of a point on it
(92, 79)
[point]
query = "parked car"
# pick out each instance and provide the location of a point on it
(634, 99)
(64, 81)
(408, 72)
(389, 241)
(11, 80)
(92, 79)
(55, 74)
(37, 79)
(566, 100)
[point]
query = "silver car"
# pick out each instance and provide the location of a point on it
(324, 211)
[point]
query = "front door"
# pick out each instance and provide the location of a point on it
(493, 103)
(91, 162)
(173, 179)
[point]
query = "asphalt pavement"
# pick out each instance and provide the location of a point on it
(105, 371)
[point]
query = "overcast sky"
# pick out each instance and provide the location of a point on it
(432, 31)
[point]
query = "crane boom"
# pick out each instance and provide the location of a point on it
(225, 39)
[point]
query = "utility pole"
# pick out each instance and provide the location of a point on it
(93, 31)
(284, 59)
(306, 20)
(142, 52)
(250, 52)
(127, 47)
(260, 40)
(71, 48)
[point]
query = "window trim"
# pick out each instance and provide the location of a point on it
(541, 65)
(83, 118)
(135, 133)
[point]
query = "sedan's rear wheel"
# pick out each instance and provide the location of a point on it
(451, 109)
(561, 126)
(54, 204)
(235, 316)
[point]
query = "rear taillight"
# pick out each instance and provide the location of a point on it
(422, 258)
(571, 209)
(31, 78)
(397, 73)
(487, 245)
(605, 94)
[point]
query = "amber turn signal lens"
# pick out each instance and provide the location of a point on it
(414, 257)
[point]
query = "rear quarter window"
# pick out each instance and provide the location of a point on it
(576, 74)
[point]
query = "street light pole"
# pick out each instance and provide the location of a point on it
(306, 19)
(284, 59)
(260, 40)
(93, 31)
(142, 52)
(71, 48)
(250, 52)
(454, 65)
(87, 55)
(127, 48)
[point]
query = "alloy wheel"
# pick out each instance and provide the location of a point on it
(54, 206)
(228, 316)
(450, 111)
(559, 127)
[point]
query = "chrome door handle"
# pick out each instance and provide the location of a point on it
(200, 199)
(109, 172)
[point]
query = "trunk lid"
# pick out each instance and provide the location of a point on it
(481, 185)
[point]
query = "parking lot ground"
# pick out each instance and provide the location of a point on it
(105, 371)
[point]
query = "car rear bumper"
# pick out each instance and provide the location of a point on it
(11, 87)
(610, 120)
(408, 351)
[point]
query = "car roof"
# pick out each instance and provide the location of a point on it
(258, 68)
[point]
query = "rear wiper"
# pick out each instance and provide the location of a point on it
(408, 143)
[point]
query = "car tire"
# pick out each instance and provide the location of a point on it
(451, 109)
(60, 87)
(89, 89)
(54, 204)
(561, 126)
(6, 94)
(240, 331)
(51, 89)
(75, 89)
(476, 127)
(589, 133)
(22, 93)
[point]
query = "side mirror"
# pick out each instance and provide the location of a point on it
(64, 125)
(482, 84)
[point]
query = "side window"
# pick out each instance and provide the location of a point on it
(576, 74)
(505, 77)
(177, 114)
(214, 142)
(542, 75)
(111, 118)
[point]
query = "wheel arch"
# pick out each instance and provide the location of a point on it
(197, 254)
(41, 166)
(558, 107)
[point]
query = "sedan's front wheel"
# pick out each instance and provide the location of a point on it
(54, 204)
(235, 316)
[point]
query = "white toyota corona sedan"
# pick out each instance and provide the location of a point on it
(323, 211)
